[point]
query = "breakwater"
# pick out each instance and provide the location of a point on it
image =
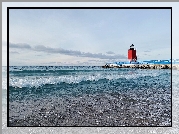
(144, 66)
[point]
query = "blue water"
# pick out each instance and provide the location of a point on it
(89, 96)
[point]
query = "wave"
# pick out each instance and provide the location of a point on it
(37, 81)
(36, 76)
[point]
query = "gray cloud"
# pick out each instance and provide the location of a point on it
(147, 51)
(146, 54)
(19, 45)
(14, 52)
(42, 48)
(110, 52)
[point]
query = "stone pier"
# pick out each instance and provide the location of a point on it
(145, 66)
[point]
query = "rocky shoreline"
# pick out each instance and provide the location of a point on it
(103, 110)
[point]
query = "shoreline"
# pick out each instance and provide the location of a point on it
(113, 109)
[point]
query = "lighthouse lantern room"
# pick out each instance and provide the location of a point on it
(132, 53)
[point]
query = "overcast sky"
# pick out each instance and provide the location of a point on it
(87, 36)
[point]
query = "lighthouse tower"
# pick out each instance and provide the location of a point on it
(132, 53)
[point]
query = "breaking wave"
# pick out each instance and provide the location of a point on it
(38, 79)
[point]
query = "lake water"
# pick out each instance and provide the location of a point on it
(87, 96)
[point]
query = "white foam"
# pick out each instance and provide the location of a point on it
(36, 81)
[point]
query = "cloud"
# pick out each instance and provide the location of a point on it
(110, 52)
(147, 51)
(146, 54)
(14, 52)
(42, 48)
(19, 45)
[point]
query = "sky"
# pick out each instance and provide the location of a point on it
(86, 36)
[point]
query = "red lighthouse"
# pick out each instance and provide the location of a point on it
(132, 53)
